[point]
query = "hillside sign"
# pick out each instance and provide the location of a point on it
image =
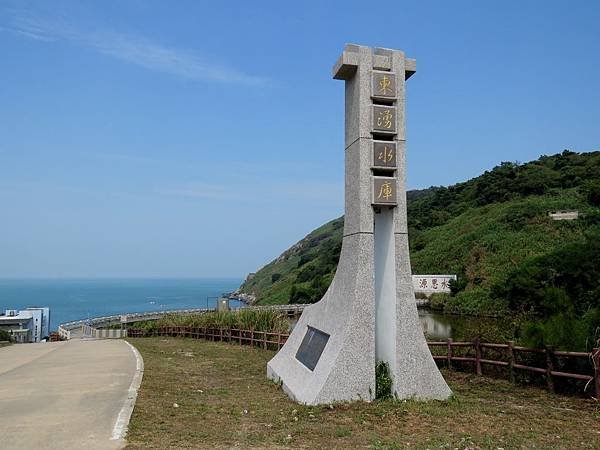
(430, 284)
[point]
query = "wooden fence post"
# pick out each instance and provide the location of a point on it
(596, 365)
(477, 355)
(511, 361)
(221, 334)
(449, 355)
(549, 367)
(278, 340)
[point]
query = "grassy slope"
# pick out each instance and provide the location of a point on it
(486, 242)
(490, 241)
(482, 244)
(287, 264)
(225, 401)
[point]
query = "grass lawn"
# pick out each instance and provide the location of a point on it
(198, 394)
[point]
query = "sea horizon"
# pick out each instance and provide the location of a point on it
(80, 298)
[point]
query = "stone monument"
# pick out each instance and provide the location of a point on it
(368, 314)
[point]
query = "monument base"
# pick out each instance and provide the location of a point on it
(345, 370)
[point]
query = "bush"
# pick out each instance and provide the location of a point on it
(5, 335)
(592, 191)
(560, 290)
(300, 294)
(475, 302)
(458, 285)
(304, 259)
(437, 302)
(383, 381)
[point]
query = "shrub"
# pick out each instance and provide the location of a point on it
(458, 285)
(592, 191)
(560, 290)
(383, 381)
(5, 335)
(437, 302)
(476, 302)
(301, 294)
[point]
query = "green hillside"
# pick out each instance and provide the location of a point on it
(487, 230)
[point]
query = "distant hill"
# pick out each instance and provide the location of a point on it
(485, 230)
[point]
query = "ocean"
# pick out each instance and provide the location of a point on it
(79, 299)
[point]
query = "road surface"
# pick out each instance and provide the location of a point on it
(66, 395)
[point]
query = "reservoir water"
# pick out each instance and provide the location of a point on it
(438, 326)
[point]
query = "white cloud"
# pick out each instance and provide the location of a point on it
(133, 49)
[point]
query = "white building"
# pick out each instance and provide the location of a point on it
(28, 325)
(44, 321)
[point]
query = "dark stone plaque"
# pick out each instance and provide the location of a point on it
(384, 85)
(384, 191)
(312, 347)
(384, 119)
(384, 154)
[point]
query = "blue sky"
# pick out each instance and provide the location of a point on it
(201, 139)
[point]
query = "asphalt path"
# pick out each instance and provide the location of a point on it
(75, 394)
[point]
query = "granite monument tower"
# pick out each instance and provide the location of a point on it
(368, 314)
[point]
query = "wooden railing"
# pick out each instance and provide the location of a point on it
(263, 339)
(509, 359)
(473, 353)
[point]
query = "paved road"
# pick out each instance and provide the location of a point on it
(65, 395)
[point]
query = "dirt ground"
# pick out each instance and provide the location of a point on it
(198, 394)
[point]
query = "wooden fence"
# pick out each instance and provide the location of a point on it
(510, 356)
(263, 339)
(473, 353)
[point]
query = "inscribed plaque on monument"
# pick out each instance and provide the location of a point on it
(384, 154)
(384, 191)
(384, 85)
(384, 119)
(312, 347)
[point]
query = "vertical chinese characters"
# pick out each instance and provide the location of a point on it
(386, 155)
(385, 86)
(385, 119)
(385, 191)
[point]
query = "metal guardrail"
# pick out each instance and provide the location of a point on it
(64, 333)
(131, 317)
(91, 332)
